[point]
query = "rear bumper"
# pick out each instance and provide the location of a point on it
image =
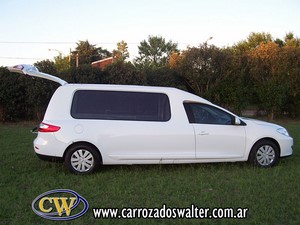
(46, 144)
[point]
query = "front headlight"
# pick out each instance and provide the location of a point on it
(283, 131)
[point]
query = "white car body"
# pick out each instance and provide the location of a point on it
(146, 142)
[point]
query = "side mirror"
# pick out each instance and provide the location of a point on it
(237, 121)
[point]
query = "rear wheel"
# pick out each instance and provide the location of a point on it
(82, 159)
(264, 153)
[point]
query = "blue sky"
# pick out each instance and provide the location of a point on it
(28, 28)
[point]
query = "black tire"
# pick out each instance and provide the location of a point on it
(82, 159)
(265, 153)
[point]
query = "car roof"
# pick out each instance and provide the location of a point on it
(136, 88)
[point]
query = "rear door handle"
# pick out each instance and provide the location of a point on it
(202, 133)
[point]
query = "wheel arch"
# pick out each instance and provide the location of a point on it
(265, 139)
(83, 143)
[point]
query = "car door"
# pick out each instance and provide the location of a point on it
(147, 142)
(217, 137)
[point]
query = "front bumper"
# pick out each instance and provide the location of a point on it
(286, 147)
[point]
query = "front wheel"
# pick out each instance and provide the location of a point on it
(264, 153)
(82, 159)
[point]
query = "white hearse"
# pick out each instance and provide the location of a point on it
(88, 125)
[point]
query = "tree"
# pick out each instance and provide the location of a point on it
(200, 67)
(86, 53)
(155, 52)
(23, 97)
(121, 53)
(39, 91)
(174, 59)
(164, 76)
(46, 66)
(267, 54)
(252, 41)
(12, 96)
(121, 72)
(84, 74)
(270, 85)
(279, 42)
(61, 63)
(216, 74)
(291, 40)
(289, 69)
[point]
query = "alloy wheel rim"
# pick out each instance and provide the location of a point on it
(82, 160)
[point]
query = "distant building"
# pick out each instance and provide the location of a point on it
(102, 63)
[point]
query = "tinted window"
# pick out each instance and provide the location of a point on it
(207, 114)
(119, 105)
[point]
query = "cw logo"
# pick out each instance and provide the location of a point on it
(59, 208)
(52, 207)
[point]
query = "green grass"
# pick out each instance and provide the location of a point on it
(272, 195)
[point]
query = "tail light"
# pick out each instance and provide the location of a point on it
(44, 127)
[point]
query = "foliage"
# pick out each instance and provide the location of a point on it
(291, 40)
(122, 72)
(216, 74)
(12, 96)
(155, 52)
(272, 77)
(174, 59)
(289, 70)
(121, 53)
(83, 74)
(39, 91)
(61, 63)
(164, 76)
(87, 53)
(201, 67)
(252, 41)
(232, 92)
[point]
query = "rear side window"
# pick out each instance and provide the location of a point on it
(120, 105)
